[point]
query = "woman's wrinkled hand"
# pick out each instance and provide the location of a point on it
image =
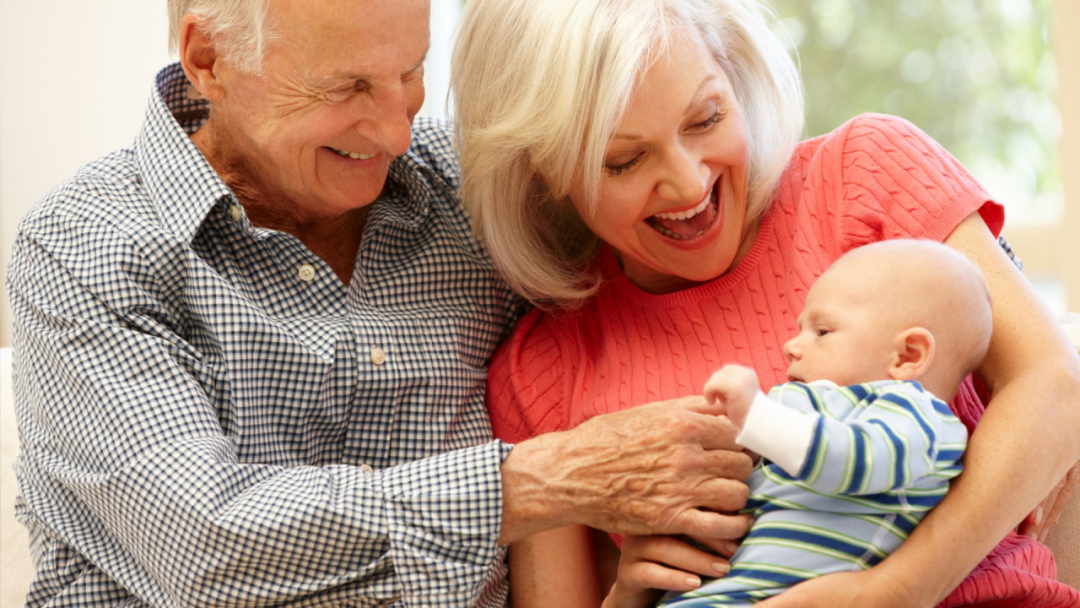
(650, 565)
(1045, 516)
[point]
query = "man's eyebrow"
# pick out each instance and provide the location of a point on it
(351, 76)
(694, 101)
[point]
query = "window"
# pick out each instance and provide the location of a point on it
(978, 76)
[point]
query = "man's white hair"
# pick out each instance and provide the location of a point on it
(239, 28)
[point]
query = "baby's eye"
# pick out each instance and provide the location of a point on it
(822, 332)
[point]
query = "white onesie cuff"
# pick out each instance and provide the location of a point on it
(779, 433)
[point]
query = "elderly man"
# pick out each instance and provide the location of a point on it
(250, 348)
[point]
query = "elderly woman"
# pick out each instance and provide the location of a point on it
(633, 167)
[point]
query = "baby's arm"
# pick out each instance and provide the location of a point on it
(855, 442)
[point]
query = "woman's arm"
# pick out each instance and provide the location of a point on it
(554, 568)
(1034, 378)
(560, 568)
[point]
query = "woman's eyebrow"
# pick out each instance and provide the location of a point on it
(701, 92)
(694, 101)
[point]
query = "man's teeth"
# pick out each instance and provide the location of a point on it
(685, 215)
(352, 155)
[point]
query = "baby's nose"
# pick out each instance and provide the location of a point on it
(791, 349)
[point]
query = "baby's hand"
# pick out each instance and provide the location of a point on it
(734, 387)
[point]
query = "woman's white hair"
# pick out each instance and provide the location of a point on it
(539, 88)
(239, 28)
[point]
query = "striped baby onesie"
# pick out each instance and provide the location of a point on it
(847, 472)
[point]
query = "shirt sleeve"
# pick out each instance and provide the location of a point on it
(897, 182)
(526, 394)
(865, 442)
(125, 460)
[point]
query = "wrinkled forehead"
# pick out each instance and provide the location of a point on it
(353, 37)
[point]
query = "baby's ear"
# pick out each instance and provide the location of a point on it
(914, 351)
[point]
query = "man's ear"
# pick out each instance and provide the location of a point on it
(913, 352)
(199, 58)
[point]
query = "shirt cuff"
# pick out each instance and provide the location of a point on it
(444, 516)
(778, 433)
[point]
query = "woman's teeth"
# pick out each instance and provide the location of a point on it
(690, 223)
(352, 155)
(685, 215)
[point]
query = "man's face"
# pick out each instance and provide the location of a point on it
(314, 134)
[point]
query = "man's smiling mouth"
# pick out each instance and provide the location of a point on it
(691, 223)
(352, 155)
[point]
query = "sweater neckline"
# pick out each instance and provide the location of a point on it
(618, 283)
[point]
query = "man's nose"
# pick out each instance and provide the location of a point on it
(389, 124)
(686, 177)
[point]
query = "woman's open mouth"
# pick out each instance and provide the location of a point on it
(689, 224)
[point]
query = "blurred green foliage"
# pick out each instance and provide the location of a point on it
(978, 75)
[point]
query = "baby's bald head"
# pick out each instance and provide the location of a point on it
(930, 285)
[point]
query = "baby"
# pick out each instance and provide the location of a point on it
(860, 444)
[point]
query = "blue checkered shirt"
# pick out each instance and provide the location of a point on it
(208, 416)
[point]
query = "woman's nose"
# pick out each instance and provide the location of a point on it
(686, 177)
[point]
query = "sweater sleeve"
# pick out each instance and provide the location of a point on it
(897, 182)
(526, 394)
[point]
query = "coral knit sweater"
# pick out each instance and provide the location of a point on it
(874, 178)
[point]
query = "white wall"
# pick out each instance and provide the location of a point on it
(74, 80)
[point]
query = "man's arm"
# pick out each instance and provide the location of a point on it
(125, 459)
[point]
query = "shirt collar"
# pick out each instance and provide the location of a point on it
(181, 183)
(184, 187)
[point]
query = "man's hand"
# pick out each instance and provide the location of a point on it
(733, 388)
(662, 468)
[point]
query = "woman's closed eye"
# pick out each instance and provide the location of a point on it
(620, 168)
(711, 121)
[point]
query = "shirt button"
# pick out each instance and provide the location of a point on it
(235, 212)
(366, 468)
(378, 356)
(306, 272)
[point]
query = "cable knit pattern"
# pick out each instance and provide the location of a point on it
(874, 178)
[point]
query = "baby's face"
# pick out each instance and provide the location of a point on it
(846, 332)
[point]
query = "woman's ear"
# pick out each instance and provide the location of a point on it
(913, 352)
(199, 58)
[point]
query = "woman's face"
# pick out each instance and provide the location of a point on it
(672, 201)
